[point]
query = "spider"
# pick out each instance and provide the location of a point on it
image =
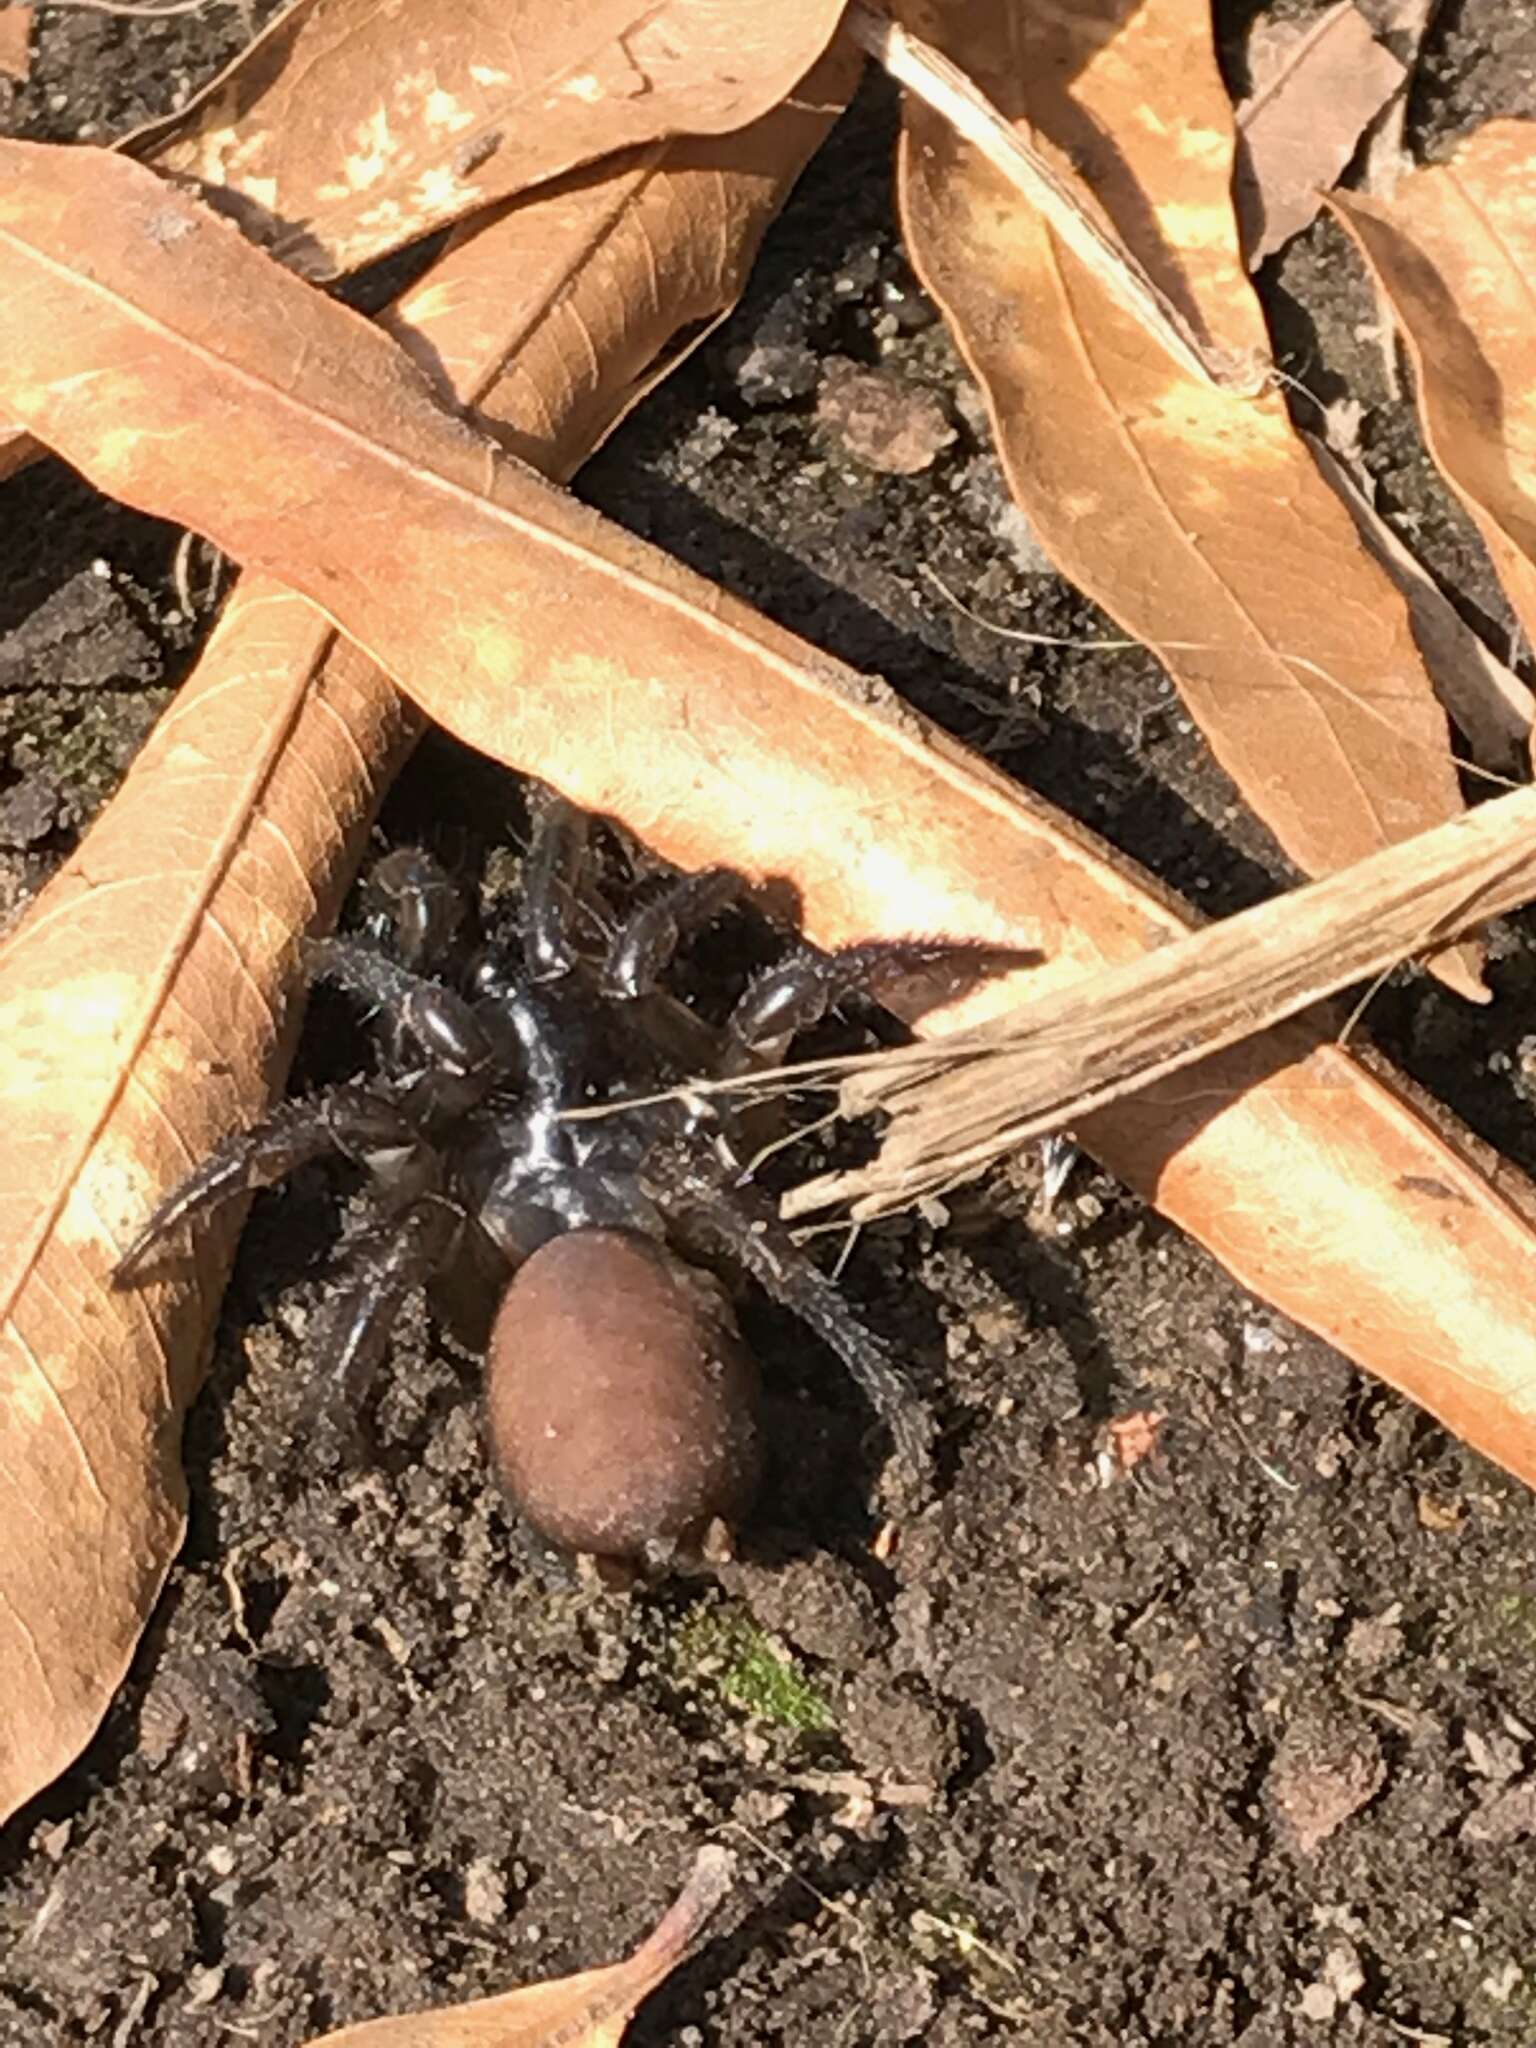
(621, 1402)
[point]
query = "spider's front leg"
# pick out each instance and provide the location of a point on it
(644, 945)
(800, 990)
(551, 877)
(348, 1122)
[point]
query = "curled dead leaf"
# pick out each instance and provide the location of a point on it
(1315, 84)
(1484, 697)
(613, 265)
(142, 1009)
(296, 135)
(589, 2011)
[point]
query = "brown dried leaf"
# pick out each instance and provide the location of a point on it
(268, 764)
(1454, 250)
(349, 129)
(1049, 183)
(141, 1013)
(717, 737)
(702, 199)
(1316, 86)
(589, 2011)
(1193, 515)
(612, 264)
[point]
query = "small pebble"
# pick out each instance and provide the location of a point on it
(882, 420)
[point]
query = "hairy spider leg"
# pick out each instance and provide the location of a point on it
(648, 940)
(548, 1018)
(744, 1224)
(556, 855)
(360, 1125)
(382, 1265)
(461, 1062)
(801, 989)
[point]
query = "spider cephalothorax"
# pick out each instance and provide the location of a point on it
(621, 1400)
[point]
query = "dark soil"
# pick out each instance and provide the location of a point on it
(1234, 1749)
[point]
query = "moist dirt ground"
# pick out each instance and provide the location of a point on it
(1237, 1748)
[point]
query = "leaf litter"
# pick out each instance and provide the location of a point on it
(589, 2011)
(330, 148)
(142, 1012)
(961, 779)
(1194, 516)
(1453, 251)
(349, 130)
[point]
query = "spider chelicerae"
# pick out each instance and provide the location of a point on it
(621, 1401)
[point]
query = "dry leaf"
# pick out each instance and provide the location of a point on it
(1454, 251)
(1318, 1184)
(209, 381)
(614, 264)
(1194, 516)
(726, 191)
(16, 42)
(1315, 87)
(589, 2011)
(141, 1014)
(1048, 182)
(1493, 708)
(280, 745)
(349, 129)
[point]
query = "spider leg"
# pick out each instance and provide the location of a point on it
(360, 1125)
(462, 1060)
(555, 859)
(801, 989)
(645, 943)
(745, 1225)
(415, 905)
(383, 1264)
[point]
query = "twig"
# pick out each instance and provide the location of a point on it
(946, 88)
(959, 1103)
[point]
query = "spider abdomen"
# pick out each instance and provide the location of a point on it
(622, 1402)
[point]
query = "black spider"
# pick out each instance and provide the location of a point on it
(621, 1401)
